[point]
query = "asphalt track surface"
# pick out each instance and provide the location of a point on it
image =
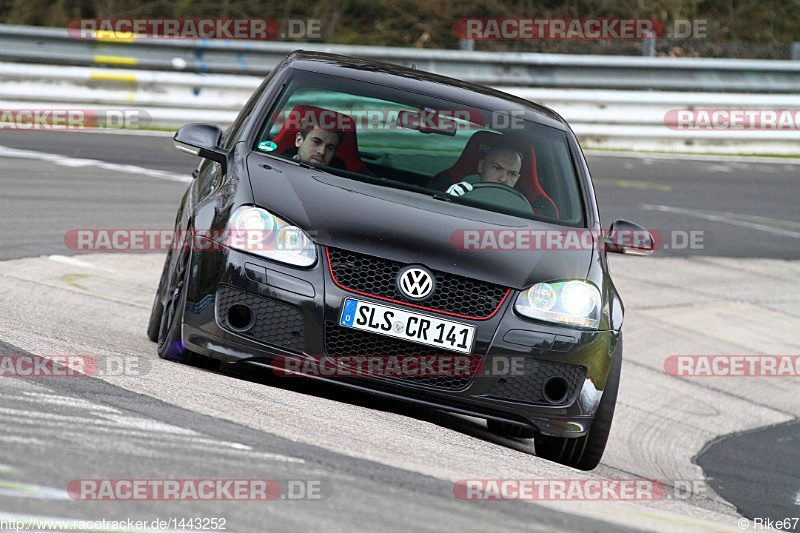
(90, 425)
(385, 464)
(774, 456)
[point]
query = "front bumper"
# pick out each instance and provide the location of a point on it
(297, 311)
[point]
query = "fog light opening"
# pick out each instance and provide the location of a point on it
(241, 318)
(555, 390)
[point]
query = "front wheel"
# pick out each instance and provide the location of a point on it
(170, 340)
(154, 324)
(585, 452)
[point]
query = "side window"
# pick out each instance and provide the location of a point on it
(564, 183)
(236, 127)
(381, 141)
(547, 172)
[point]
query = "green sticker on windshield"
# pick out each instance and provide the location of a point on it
(267, 146)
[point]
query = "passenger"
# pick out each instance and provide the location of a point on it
(317, 146)
(501, 164)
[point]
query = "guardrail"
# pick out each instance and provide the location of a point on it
(601, 118)
(180, 82)
(54, 46)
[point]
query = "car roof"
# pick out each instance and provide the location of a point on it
(422, 82)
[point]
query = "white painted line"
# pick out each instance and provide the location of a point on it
(57, 432)
(719, 168)
(27, 441)
(26, 490)
(75, 262)
(110, 420)
(75, 162)
(77, 403)
(726, 218)
(152, 430)
(146, 424)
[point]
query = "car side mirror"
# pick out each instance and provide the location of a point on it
(202, 140)
(625, 237)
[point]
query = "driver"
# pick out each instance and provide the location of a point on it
(501, 164)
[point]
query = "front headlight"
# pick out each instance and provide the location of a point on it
(259, 232)
(566, 302)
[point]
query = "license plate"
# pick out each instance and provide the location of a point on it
(413, 327)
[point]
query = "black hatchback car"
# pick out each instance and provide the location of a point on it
(409, 235)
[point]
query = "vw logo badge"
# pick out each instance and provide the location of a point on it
(416, 283)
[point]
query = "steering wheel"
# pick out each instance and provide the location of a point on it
(498, 194)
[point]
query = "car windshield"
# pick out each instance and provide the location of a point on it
(485, 159)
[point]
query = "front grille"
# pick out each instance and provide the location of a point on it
(276, 323)
(340, 340)
(528, 385)
(376, 277)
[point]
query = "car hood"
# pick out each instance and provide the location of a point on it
(404, 226)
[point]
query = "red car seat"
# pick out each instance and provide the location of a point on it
(477, 147)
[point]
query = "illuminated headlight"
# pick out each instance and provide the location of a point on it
(566, 302)
(259, 232)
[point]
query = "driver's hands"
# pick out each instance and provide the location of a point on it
(459, 189)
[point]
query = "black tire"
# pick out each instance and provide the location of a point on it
(510, 430)
(154, 325)
(585, 452)
(170, 339)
